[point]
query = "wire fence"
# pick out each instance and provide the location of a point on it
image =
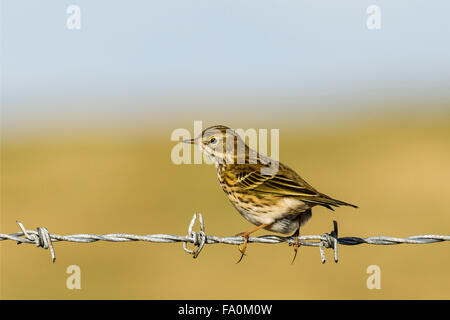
(42, 238)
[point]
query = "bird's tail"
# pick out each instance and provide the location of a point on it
(329, 202)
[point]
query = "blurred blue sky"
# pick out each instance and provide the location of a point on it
(252, 47)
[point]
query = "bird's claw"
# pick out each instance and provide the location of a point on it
(295, 252)
(244, 246)
(296, 245)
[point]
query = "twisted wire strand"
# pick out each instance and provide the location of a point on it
(42, 238)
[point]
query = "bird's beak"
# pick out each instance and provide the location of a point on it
(191, 141)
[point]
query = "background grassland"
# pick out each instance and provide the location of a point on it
(396, 170)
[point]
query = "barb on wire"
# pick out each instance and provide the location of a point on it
(42, 238)
(199, 239)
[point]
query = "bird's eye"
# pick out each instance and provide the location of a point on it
(212, 140)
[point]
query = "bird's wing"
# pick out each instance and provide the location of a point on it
(280, 184)
(276, 184)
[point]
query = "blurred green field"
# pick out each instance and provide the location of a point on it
(396, 170)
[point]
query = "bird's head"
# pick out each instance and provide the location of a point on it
(220, 143)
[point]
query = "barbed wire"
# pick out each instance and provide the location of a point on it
(42, 238)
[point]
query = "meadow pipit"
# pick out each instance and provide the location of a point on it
(264, 191)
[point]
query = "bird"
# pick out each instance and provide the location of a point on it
(264, 191)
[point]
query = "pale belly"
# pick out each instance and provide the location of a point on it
(284, 217)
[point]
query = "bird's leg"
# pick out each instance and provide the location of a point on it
(296, 244)
(246, 236)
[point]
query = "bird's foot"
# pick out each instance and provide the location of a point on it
(244, 246)
(296, 245)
